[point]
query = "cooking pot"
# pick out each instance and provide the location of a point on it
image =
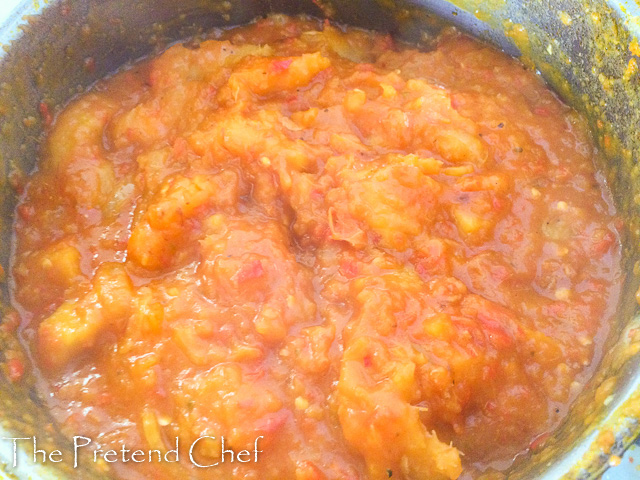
(585, 49)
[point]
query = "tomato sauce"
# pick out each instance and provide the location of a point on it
(372, 258)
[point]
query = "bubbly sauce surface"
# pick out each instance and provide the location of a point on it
(370, 257)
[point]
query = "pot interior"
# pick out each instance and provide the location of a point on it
(580, 47)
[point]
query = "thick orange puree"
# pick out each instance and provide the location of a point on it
(372, 259)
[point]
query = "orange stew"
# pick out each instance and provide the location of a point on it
(365, 258)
